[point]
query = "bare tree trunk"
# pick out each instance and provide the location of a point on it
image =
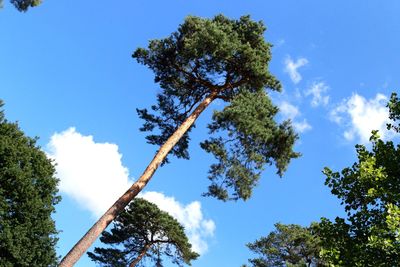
(136, 261)
(87, 240)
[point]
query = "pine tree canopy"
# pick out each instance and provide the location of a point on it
(205, 60)
(28, 193)
(143, 229)
(290, 245)
(228, 60)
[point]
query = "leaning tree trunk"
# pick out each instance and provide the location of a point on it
(139, 258)
(87, 240)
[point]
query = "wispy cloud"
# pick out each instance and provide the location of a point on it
(302, 126)
(359, 116)
(92, 174)
(291, 67)
(318, 92)
(288, 110)
(279, 43)
(292, 112)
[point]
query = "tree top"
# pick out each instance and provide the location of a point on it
(228, 60)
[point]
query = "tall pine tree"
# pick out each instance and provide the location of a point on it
(205, 60)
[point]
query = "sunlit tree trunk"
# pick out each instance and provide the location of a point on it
(87, 240)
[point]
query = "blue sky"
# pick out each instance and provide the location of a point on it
(67, 76)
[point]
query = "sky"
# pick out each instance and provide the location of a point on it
(67, 76)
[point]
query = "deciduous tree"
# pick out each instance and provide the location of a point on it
(370, 193)
(28, 193)
(143, 231)
(205, 60)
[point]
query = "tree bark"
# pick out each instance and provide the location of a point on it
(136, 261)
(87, 240)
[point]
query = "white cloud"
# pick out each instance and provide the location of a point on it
(292, 112)
(359, 116)
(318, 92)
(92, 174)
(190, 216)
(297, 94)
(301, 126)
(288, 110)
(291, 68)
(279, 43)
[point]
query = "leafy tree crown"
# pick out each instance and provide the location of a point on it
(144, 228)
(370, 193)
(229, 59)
(28, 193)
(288, 245)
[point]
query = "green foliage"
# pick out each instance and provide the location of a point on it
(28, 193)
(394, 112)
(230, 58)
(23, 5)
(289, 245)
(252, 139)
(370, 193)
(2, 117)
(140, 226)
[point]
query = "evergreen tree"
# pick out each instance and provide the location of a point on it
(143, 231)
(370, 193)
(28, 193)
(289, 245)
(205, 60)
